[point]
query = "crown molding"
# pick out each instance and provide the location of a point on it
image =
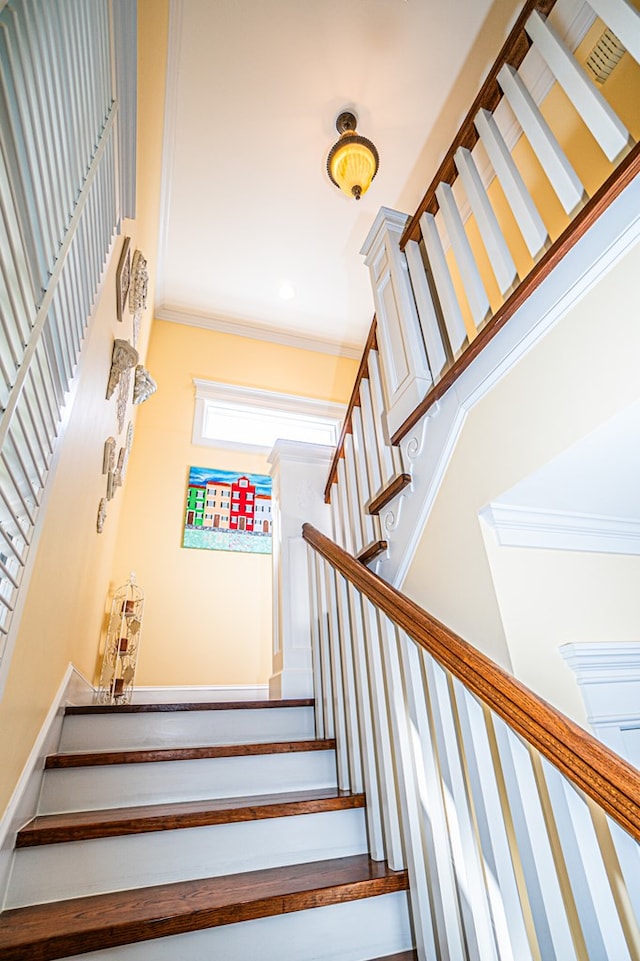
(245, 328)
(562, 530)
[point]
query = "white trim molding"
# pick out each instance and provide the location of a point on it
(609, 679)
(246, 328)
(23, 803)
(255, 410)
(562, 530)
(200, 694)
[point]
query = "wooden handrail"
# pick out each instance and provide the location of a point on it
(621, 177)
(354, 401)
(514, 50)
(602, 775)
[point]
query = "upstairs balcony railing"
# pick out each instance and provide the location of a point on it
(546, 148)
(67, 178)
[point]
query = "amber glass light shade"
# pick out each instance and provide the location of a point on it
(353, 160)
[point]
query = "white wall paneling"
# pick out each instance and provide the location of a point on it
(299, 472)
(404, 361)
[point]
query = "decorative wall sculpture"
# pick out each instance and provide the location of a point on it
(143, 385)
(123, 357)
(139, 283)
(123, 277)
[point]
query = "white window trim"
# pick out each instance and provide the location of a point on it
(210, 395)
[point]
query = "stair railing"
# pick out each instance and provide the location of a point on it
(448, 279)
(519, 829)
(67, 178)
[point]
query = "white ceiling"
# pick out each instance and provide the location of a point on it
(254, 88)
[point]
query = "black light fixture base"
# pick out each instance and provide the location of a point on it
(346, 121)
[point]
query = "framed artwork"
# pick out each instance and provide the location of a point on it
(227, 511)
(123, 277)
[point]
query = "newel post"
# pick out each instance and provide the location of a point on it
(299, 472)
(405, 369)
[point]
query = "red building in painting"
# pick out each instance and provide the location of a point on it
(243, 505)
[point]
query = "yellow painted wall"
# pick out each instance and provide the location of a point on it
(208, 613)
(65, 602)
(582, 373)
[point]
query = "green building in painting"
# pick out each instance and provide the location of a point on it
(196, 497)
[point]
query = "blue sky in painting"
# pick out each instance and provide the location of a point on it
(206, 475)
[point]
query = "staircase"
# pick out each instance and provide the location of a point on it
(200, 831)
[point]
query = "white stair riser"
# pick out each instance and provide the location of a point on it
(100, 732)
(121, 785)
(56, 871)
(352, 931)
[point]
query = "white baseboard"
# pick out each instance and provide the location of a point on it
(211, 692)
(23, 803)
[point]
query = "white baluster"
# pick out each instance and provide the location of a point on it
(534, 848)
(365, 489)
(325, 647)
(444, 895)
(444, 285)
(499, 254)
(353, 517)
(337, 688)
(377, 400)
(524, 210)
(316, 657)
(407, 789)
(370, 438)
(342, 510)
(590, 882)
(345, 635)
(382, 731)
(336, 519)
(604, 124)
(469, 273)
(555, 164)
(367, 743)
(436, 353)
(474, 903)
(623, 19)
(506, 906)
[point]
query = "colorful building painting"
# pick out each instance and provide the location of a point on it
(196, 496)
(228, 511)
(218, 505)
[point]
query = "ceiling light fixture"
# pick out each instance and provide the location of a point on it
(353, 160)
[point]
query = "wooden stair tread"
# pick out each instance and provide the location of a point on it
(402, 956)
(88, 825)
(47, 931)
(181, 706)
(393, 488)
(95, 758)
(371, 551)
